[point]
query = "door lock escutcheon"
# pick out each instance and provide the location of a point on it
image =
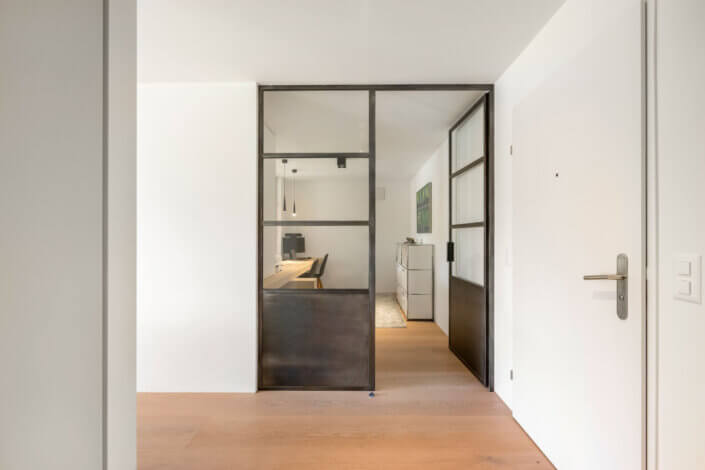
(621, 277)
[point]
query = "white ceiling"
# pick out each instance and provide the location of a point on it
(336, 41)
(327, 41)
(316, 121)
(410, 126)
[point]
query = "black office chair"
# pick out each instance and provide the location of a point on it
(317, 270)
(314, 268)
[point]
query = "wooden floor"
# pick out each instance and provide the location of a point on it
(429, 412)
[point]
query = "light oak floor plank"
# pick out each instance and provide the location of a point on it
(429, 412)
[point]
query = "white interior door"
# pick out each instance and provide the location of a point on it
(578, 203)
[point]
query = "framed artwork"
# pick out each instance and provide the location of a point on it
(423, 210)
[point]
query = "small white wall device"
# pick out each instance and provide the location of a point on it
(687, 277)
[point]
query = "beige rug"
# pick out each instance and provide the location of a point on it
(388, 313)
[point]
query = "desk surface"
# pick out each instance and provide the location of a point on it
(290, 271)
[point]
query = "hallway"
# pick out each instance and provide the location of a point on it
(428, 412)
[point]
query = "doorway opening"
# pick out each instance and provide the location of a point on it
(368, 222)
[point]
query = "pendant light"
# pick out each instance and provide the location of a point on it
(294, 191)
(284, 162)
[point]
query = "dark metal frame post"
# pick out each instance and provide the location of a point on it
(372, 218)
(260, 228)
(489, 236)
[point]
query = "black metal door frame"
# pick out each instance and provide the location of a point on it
(370, 155)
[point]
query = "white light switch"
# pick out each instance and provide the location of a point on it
(687, 278)
(683, 268)
(684, 287)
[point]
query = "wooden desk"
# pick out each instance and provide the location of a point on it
(290, 271)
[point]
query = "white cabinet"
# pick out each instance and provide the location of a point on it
(414, 267)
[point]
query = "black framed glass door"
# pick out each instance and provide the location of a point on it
(469, 247)
(316, 238)
(315, 300)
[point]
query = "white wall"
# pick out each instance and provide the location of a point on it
(197, 238)
(680, 75)
(317, 121)
(121, 406)
(392, 227)
(51, 216)
(435, 171)
(66, 297)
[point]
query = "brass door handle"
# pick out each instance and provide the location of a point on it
(621, 278)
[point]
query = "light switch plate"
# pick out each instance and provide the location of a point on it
(687, 279)
(684, 287)
(683, 268)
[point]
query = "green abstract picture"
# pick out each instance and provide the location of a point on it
(423, 210)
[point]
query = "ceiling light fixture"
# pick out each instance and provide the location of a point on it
(293, 172)
(284, 162)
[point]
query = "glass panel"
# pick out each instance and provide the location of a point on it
(316, 121)
(469, 261)
(320, 189)
(469, 139)
(347, 266)
(469, 196)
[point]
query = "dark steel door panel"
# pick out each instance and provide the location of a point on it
(315, 340)
(468, 326)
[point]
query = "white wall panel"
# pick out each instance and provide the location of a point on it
(197, 238)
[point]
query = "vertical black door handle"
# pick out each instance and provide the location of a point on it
(450, 252)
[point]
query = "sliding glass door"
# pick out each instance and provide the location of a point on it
(316, 238)
(316, 219)
(469, 235)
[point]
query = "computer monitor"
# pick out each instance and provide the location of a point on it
(293, 243)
